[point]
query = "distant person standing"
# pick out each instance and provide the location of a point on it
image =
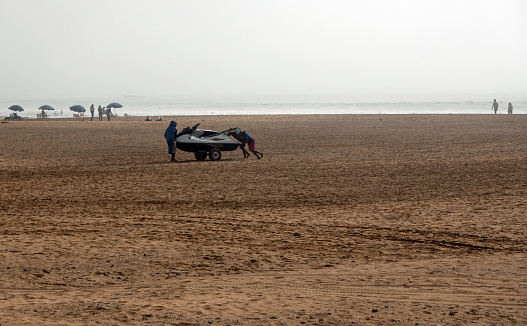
(509, 110)
(100, 113)
(170, 136)
(92, 110)
(495, 106)
(108, 113)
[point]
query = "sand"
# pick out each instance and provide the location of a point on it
(348, 219)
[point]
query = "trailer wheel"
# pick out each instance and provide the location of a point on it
(215, 154)
(200, 156)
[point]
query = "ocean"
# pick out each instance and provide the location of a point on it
(272, 105)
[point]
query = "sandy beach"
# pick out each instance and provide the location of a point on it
(347, 220)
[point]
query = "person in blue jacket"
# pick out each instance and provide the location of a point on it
(170, 136)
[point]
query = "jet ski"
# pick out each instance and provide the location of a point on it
(205, 143)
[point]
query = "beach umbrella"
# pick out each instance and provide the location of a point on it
(114, 105)
(16, 108)
(46, 107)
(78, 108)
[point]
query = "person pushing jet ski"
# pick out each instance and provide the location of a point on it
(237, 135)
(171, 135)
(244, 138)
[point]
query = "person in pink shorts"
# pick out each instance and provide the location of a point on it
(244, 138)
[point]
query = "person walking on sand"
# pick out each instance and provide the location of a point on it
(92, 111)
(170, 136)
(100, 113)
(495, 106)
(509, 110)
(244, 138)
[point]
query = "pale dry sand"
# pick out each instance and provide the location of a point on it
(348, 219)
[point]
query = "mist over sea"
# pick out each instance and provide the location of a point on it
(246, 105)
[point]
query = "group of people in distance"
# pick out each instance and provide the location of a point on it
(495, 107)
(101, 110)
(149, 118)
(240, 135)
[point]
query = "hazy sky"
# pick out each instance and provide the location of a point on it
(100, 48)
